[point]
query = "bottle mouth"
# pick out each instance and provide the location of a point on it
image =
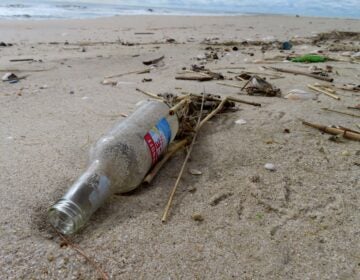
(65, 216)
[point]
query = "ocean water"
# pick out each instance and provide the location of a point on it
(52, 9)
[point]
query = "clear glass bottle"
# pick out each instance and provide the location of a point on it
(118, 163)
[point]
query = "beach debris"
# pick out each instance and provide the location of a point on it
(356, 107)
(336, 35)
(286, 130)
(109, 82)
(144, 33)
(21, 59)
(341, 112)
(345, 153)
(323, 90)
(350, 87)
(286, 46)
(194, 171)
(257, 85)
(337, 131)
(154, 61)
(318, 71)
(310, 58)
(10, 77)
(297, 72)
(241, 121)
(146, 80)
(270, 167)
(197, 217)
(3, 44)
(217, 198)
(230, 85)
(143, 71)
(194, 77)
(298, 94)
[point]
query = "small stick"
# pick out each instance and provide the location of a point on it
(149, 94)
(334, 131)
(77, 248)
(229, 67)
(21, 59)
(200, 77)
(172, 150)
(128, 73)
(229, 85)
(167, 208)
(234, 99)
(296, 72)
(355, 108)
(178, 106)
(213, 113)
(324, 92)
(144, 33)
(153, 61)
(340, 112)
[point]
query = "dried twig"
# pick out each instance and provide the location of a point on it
(153, 61)
(152, 95)
(77, 248)
(230, 85)
(147, 70)
(168, 205)
(340, 112)
(199, 77)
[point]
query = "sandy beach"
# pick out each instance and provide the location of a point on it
(299, 222)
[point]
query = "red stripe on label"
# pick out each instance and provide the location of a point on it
(148, 139)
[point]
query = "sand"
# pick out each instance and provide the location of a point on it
(300, 222)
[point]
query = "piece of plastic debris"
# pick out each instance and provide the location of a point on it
(310, 58)
(240, 121)
(195, 172)
(270, 167)
(286, 45)
(9, 77)
(298, 94)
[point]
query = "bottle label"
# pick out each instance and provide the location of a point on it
(158, 138)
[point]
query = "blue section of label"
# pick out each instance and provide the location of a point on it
(164, 127)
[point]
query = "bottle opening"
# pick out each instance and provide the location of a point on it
(65, 216)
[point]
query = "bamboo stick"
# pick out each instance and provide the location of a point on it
(334, 131)
(147, 70)
(324, 92)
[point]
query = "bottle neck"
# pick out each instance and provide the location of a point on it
(83, 198)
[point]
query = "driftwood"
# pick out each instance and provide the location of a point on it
(334, 131)
(297, 72)
(153, 61)
(152, 95)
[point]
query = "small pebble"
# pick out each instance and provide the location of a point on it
(72, 92)
(270, 167)
(240, 121)
(197, 217)
(195, 172)
(345, 153)
(286, 130)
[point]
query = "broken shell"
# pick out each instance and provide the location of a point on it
(195, 172)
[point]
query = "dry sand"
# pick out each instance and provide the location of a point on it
(300, 222)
